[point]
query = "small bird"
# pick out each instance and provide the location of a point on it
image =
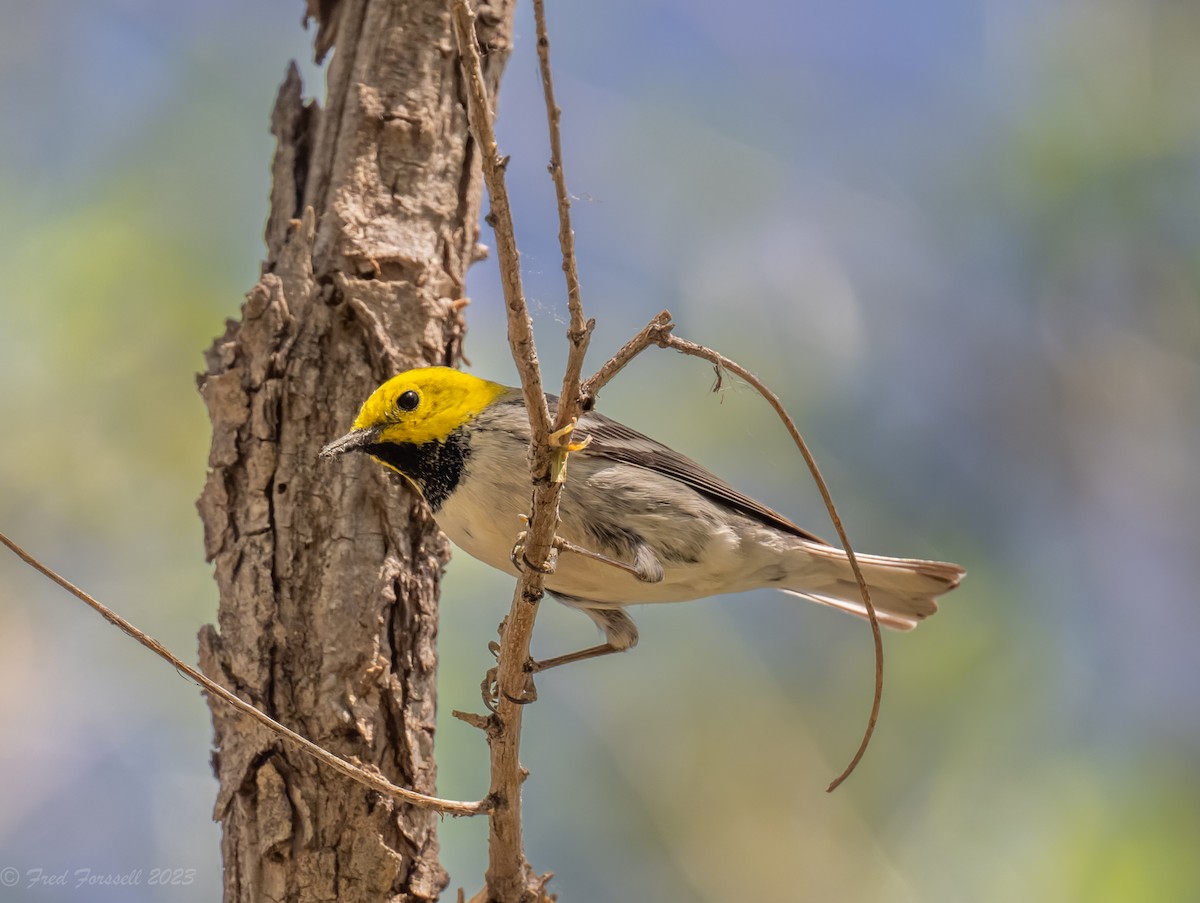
(639, 522)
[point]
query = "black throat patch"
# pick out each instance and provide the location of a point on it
(436, 467)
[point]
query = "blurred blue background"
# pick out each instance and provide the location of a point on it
(961, 238)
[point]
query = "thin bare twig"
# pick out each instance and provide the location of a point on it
(652, 334)
(658, 332)
(580, 331)
(509, 875)
(366, 778)
(724, 363)
(520, 326)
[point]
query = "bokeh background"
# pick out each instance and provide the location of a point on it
(962, 240)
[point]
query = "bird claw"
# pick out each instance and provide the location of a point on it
(529, 693)
(521, 563)
(558, 439)
(490, 689)
(560, 447)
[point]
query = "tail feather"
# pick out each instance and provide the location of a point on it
(904, 591)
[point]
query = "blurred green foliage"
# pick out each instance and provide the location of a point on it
(962, 240)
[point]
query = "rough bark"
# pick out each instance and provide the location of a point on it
(329, 577)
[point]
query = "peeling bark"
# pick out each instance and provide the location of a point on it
(329, 577)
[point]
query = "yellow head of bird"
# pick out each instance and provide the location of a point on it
(416, 407)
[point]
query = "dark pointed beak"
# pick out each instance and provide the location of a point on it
(355, 439)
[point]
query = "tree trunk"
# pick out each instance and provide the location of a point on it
(329, 576)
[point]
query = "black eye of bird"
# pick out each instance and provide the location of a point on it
(408, 401)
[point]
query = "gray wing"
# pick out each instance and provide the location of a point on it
(614, 440)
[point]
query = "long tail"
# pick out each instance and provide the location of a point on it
(903, 590)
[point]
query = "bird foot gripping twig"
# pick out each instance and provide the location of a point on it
(490, 687)
(561, 447)
(558, 439)
(517, 555)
